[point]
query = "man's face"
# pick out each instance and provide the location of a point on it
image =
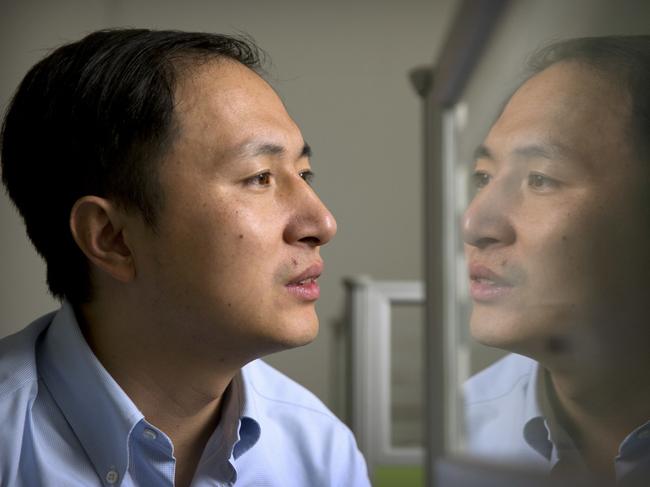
(235, 256)
(556, 237)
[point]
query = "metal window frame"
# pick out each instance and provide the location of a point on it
(440, 90)
(370, 312)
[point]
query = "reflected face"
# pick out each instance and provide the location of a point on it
(556, 238)
(235, 258)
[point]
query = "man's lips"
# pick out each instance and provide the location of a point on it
(304, 285)
(484, 273)
(486, 285)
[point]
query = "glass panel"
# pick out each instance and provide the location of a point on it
(513, 437)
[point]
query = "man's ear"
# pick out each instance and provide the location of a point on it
(98, 229)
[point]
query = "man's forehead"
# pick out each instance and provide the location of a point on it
(220, 80)
(228, 113)
(568, 87)
(225, 95)
(563, 112)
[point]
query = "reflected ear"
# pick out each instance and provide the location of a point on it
(97, 227)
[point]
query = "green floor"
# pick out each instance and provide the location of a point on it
(398, 477)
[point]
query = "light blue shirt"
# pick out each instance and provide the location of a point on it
(509, 420)
(64, 421)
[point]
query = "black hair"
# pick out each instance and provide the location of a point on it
(623, 59)
(94, 118)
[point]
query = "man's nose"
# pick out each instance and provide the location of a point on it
(311, 223)
(488, 219)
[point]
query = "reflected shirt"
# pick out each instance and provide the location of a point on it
(509, 420)
(66, 422)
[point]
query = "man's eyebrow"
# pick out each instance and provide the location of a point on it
(529, 151)
(252, 149)
(306, 151)
(540, 151)
(482, 152)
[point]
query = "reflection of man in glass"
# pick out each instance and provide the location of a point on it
(558, 248)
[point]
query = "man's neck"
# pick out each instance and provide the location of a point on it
(174, 390)
(187, 413)
(598, 413)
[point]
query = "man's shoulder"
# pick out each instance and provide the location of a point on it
(501, 379)
(296, 415)
(18, 357)
(499, 402)
(275, 390)
(19, 387)
(317, 447)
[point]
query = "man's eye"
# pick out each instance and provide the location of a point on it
(480, 179)
(308, 176)
(540, 182)
(261, 179)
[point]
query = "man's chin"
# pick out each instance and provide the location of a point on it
(495, 332)
(517, 338)
(293, 335)
(302, 336)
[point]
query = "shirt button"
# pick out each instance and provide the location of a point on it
(111, 477)
(644, 435)
(149, 434)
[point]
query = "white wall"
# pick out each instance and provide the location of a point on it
(340, 67)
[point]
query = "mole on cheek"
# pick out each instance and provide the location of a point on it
(564, 238)
(294, 262)
(241, 236)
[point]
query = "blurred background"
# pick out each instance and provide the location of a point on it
(342, 68)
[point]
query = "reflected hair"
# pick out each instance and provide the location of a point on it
(95, 117)
(624, 59)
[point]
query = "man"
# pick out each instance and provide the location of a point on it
(557, 241)
(167, 189)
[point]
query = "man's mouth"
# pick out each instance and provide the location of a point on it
(303, 281)
(486, 285)
(304, 285)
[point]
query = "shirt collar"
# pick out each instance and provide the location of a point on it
(250, 418)
(557, 434)
(542, 429)
(532, 405)
(536, 431)
(97, 409)
(237, 432)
